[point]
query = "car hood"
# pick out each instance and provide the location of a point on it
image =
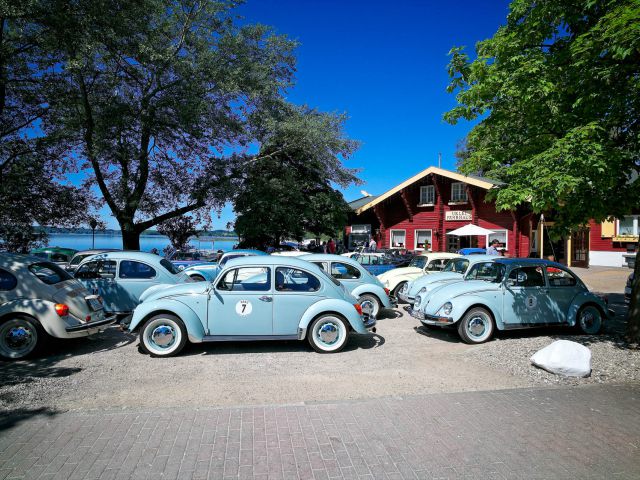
(396, 272)
(453, 290)
(167, 290)
(434, 278)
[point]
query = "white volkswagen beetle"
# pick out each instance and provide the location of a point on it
(39, 299)
(422, 264)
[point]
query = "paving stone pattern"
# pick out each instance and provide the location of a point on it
(577, 432)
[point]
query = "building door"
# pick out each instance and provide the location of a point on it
(580, 248)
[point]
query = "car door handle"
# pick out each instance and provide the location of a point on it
(265, 298)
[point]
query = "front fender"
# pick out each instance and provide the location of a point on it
(463, 303)
(580, 300)
(331, 305)
(374, 289)
(195, 328)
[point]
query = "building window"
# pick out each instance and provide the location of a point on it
(427, 195)
(500, 235)
(398, 239)
(459, 192)
(628, 226)
(422, 240)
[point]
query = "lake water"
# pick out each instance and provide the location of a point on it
(147, 242)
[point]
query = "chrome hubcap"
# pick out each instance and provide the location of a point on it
(328, 333)
(590, 320)
(18, 338)
(163, 336)
(476, 326)
(367, 307)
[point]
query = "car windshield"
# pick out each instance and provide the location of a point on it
(223, 261)
(78, 258)
(458, 265)
(418, 262)
(49, 273)
(169, 266)
(487, 271)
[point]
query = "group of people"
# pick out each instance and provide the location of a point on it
(331, 246)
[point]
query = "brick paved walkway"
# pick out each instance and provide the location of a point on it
(583, 432)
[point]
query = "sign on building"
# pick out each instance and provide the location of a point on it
(457, 215)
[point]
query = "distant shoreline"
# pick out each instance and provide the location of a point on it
(152, 235)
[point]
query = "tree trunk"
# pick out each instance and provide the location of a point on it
(633, 318)
(130, 238)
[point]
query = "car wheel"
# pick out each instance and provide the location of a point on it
(328, 334)
(163, 335)
(197, 278)
(396, 290)
(589, 320)
(370, 304)
(476, 326)
(20, 337)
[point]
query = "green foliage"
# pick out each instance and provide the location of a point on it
(179, 230)
(557, 92)
(287, 190)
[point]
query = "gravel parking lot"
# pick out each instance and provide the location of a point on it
(403, 358)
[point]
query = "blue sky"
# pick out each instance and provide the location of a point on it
(384, 63)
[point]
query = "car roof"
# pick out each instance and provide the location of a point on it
(127, 255)
(271, 260)
(529, 261)
(247, 251)
(439, 255)
(326, 257)
(95, 251)
(54, 249)
(480, 258)
(16, 260)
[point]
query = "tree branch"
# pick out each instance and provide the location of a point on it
(142, 226)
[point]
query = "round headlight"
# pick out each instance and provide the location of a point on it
(418, 300)
(447, 307)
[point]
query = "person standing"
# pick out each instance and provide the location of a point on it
(331, 247)
(373, 245)
(493, 248)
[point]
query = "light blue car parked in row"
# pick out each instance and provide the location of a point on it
(209, 272)
(511, 294)
(253, 298)
(454, 271)
(363, 285)
(121, 277)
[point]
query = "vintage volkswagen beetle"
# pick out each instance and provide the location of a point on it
(59, 255)
(359, 282)
(121, 278)
(454, 271)
(509, 294)
(425, 263)
(253, 298)
(39, 299)
(209, 271)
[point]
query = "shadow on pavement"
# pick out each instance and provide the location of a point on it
(12, 418)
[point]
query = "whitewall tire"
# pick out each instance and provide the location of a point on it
(328, 334)
(163, 335)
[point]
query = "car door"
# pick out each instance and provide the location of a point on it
(346, 274)
(295, 291)
(241, 303)
(134, 277)
(99, 277)
(525, 299)
(563, 288)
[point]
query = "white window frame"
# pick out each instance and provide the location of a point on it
(427, 192)
(465, 197)
(415, 237)
(404, 232)
(636, 225)
(506, 236)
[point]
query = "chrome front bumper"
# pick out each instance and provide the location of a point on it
(405, 298)
(429, 319)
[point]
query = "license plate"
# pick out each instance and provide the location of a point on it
(94, 303)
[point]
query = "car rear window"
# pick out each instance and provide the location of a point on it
(169, 266)
(136, 270)
(49, 273)
(7, 281)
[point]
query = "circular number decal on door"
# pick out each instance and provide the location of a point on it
(243, 307)
(531, 302)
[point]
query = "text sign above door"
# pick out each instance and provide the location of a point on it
(457, 215)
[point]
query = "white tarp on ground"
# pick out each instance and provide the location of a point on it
(564, 358)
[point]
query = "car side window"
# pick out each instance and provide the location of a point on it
(294, 280)
(96, 270)
(246, 279)
(436, 265)
(322, 265)
(560, 278)
(7, 281)
(49, 273)
(527, 277)
(344, 271)
(130, 269)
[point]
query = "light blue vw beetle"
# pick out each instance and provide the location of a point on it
(209, 272)
(121, 278)
(454, 271)
(509, 294)
(361, 284)
(253, 298)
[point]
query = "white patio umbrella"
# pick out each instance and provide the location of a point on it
(470, 230)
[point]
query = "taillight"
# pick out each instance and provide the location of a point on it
(387, 291)
(61, 309)
(358, 308)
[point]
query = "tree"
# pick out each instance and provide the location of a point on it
(179, 230)
(556, 92)
(32, 172)
(154, 94)
(287, 190)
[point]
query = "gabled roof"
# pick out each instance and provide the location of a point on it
(356, 204)
(366, 203)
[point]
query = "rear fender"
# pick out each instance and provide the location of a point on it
(331, 305)
(195, 328)
(372, 289)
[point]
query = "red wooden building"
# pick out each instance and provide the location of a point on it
(418, 213)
